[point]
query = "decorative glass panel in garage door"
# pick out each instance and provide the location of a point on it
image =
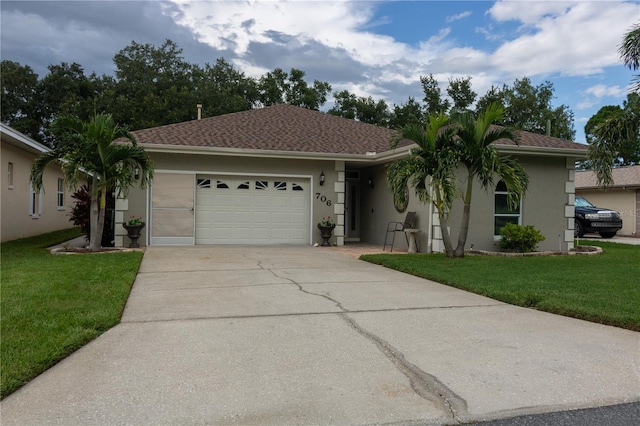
(172, 208)
(252, 210)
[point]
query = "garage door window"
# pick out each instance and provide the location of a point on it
(280, 186)
(296, 187)
(204, 183)
(222, 185)
(244, 185)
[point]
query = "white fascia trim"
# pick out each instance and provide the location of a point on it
(237, 152)
(15, 136)
(219, 173)
(539, 151)
(365, 158)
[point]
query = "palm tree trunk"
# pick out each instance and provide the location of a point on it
(446, 238)
(93, 223)
(102, 213)
(466, 216)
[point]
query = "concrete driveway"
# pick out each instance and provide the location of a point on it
(302, 335)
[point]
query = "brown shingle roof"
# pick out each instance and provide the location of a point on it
(289, 128)
(276, 128)
(622, 176)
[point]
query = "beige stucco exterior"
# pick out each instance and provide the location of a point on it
(137, 202)
(17, 218)
(548, 204)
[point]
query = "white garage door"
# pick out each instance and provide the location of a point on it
(250, 210)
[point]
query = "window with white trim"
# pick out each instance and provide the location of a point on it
(10, 175)
(503, 213)
(35, 202)
(60, 193)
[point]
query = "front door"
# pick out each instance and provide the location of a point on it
(352, 211)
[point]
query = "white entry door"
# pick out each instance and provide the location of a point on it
(252, 210)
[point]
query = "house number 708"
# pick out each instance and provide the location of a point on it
(322, 199)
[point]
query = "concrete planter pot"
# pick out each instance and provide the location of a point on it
(133, 232)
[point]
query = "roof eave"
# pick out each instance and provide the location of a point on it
(541, 151)
(369, 157)
(21, 140)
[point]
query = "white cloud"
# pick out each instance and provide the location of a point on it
(458, 17)
(579, 41)
(236, 25)
(600, 90)
(526, 11)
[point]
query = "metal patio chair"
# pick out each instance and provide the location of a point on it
(393, 227)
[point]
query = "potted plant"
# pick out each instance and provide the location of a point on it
(134, 227)
(326, 227)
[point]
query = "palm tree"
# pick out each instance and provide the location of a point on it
(90, 149)
(630, 52)
(617, 139)
(442, 148)
(428, 169)
(482, 161)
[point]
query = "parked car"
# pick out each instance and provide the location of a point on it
(589, 218)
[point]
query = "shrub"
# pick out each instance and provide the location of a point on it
(520, 238)
(81, 209)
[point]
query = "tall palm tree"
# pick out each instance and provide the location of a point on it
(619, 135)
(630, 52)
(90, 149)
(474, 139)
(443, 148)
(428, 169)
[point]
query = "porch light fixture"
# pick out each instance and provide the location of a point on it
(322, 177)
(370, 182)
(136, 173)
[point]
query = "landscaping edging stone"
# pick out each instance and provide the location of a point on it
(580, 250)
(62, 250)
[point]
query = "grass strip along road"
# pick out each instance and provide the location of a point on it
(53, 305)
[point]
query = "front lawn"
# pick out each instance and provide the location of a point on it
(53, 305)
(603, 288)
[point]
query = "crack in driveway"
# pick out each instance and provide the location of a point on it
(423, 384)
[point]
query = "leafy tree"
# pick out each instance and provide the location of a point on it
(444, 146)
(372, 112)
(154, 86)
(630, 52)
(64, 90)
(366, 110)
(493, 96)
(222, 89)
(529, 108)
(460, 91)
(299, 93)
(411, 112)
(345, 105)
(20, 109)
(272, 87)
(614, 138)
(91, 148)
(434, 104)
(278, 87)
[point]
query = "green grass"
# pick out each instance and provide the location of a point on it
(603, 288)
(53, 305)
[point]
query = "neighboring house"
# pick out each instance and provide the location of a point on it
(268, 176)
(25, 212)
(622, 195)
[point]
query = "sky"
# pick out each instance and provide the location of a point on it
(370, 48)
